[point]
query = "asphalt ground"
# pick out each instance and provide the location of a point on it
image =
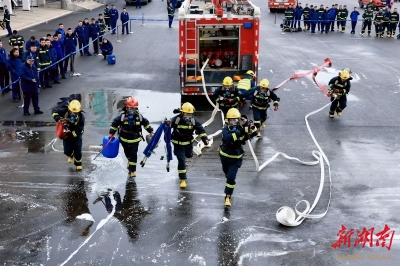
(155, 222)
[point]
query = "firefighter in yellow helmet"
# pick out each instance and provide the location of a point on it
(226, 96)
(231, 152)
(183, 126)
(245, 85)
(74, 122)
(339, 88)
(261, 97)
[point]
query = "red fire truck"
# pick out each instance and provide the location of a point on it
(224, 31)
(280, 5)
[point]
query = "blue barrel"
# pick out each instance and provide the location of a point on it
(111, 151)
(111, 59)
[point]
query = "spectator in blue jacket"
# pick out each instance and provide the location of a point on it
(298, 12)
(325, 23)
(31, 52)
(138, 3)
(32, 42)
(53, 73)
(113, 13)
(15, 64)
(4, 74)
(314, 17)
(124, 20)
(86, 24)
(80, 34)
(59, 47)
(70, 43)
(30, 86)
(94, 30)
(332, 15)
(354, 18)
(106, 48)
(61, 31)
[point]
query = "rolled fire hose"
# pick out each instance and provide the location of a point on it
(285, 215)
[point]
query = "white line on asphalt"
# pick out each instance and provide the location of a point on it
(325, 41)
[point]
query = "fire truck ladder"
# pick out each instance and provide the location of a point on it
(191, 51)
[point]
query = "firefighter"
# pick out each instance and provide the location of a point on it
(43, 60)
(371, 5)
(289, 15)
(17, 40)
(74, 122)
(338, 19)
(102, 24)
(226, 96)
(339, 86)
(306, 17)
(245, 84)
(261, 98)
(367, 17)
(386, 22)
(343, 17)
(394, 20)
(129, 126)
(378, 21)
(183, 126)
(231, 151)
(107, 17)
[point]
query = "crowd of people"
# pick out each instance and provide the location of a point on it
(38, 64)
(324, 19)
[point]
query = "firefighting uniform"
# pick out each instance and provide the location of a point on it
(231, 152)
(378, 21)
(260, 103)
(367, 16)
(244, 86)
(130, 134)
(343, 17)
(106, 17)
(226, 99)
(394, 20)
(340, 102)
(386, 23)
(182, 139)
(289, 19)
(43, 60)
(17, 41)
(73, 143)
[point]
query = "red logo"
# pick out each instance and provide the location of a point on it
(364, 237)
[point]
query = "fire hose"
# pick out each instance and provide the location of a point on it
(285, 215)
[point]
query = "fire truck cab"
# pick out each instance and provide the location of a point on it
(377, 3)
(226, 32)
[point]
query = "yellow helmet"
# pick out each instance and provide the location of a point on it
(251, 73)
(227, 81)
(74, 106)
(187, 108)
(233, 113)
(344, 74)
(264, 83)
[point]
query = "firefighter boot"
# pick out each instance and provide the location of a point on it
(227, 201)
(339, 113)
(182, 184)
(263, 125)
(259, 133)
(132, 174)
(79, 168)
(70, 159)
(331, 114)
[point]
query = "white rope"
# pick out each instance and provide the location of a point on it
(285, 215)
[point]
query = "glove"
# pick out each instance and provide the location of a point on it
(276, 108)
(206, 142)
(111, 136)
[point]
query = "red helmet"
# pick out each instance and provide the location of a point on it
(132, 102)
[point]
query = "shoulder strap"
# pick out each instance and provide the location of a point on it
(178, 118)
(193, 121)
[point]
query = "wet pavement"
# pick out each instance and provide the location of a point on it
(53, 215)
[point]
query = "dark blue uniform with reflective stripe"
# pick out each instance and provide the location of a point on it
(340, 102)
(73, 143)
(231, 152)
(130, 134)
(182, 138)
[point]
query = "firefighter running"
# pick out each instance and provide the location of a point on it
(183, 126)
(261, 97)
(245, 85)
(226, 96)
(74, 122)
(231, 152)
(339, 86)
(129, 126)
